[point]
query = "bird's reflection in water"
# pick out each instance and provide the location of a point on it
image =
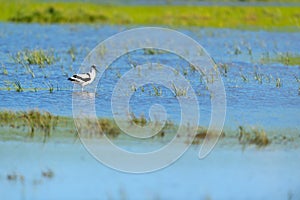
(83, 104)
(84, 114)
(85, 95)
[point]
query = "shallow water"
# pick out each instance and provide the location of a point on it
(227, 173)
(248, 103)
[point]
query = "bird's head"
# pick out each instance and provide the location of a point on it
(94, 67)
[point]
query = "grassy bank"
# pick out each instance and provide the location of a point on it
(19, 125)
(242, 17)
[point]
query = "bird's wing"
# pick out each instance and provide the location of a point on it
(82, 77)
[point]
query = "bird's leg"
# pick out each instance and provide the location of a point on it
(81, 89)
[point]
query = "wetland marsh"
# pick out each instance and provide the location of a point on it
(257, 156)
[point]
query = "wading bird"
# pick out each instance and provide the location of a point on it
(84, 79)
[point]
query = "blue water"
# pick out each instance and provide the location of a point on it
(225, 174)
(248, 103)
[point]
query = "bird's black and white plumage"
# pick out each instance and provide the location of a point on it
(84, 79)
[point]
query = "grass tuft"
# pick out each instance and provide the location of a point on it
(4, 70)
(109, 128)
(50, 86)
(35, 57)
(157, 91)
(151, 51)
(141, 121)
(179, 91)
(256, 136)
(278, 82)
(72, 52)
(18, 86)
(34, 120)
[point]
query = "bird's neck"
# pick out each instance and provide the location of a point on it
(93, 72)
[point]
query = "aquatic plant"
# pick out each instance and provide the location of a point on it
(278, 82)
(101, 51)
(157, 90)
(50, 86)
(151, 51)
(48, 173)
(4, 70)
(179, 91)
(37, 120)
(118, 74)
(15, 177)
(185, 72)
(200, 135)
(237, 50)
(202, 132)
(258, 77)
(18, 86)
(249, 49)
(244, 78)
(72, 52)
(109, 128)
(12, 177)
(133, 88)
(268, 78)
(192, 67)
(286, 58)
(141, 121)
(99, 127)
(32, 119)
(224, 68)
(297, 79)
(256, 136)
(38, 57)
(7, 118)
(28, 69)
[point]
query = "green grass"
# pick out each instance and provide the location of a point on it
(40, 126)
(288, 59)
(284, 58)
(38, 57)
(242, 17)
(33, 121)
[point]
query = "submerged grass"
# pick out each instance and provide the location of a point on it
(250, 17)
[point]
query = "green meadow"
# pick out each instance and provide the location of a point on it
(241, 17)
